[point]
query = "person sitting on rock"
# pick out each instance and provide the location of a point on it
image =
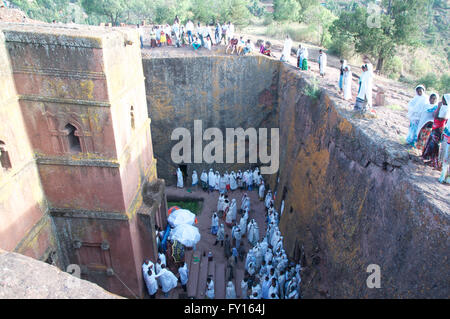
(196, 43)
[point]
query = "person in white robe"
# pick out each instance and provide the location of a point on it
(268, 256)
(250, 258)
(279, 244)
(210, 288)
(253, 232)
(227, 181)
(220, 203)
(226, 206)
(244, 288)
(214, 223)
(243, 223)
(426, 117)
(261, 191)
(211, 180)
(275, 239)
(179, 178)
(364, 97)
(415, 107)
(243, 202)
(220, 235)
(273, 289)
(444, 178)
(162, 257)
(217, 181)
(292, 289)
(286, 53)
(204, 180)
(184, 275)
(299, 54)
(167, 279)
(304, 55)
(230, 291)
(146, 266)
(369, 67)
(347, 83)
(194, 178)
(240, 179)
(222, 184)
(250, 180)
(322, 60)
(229, 217)
(263, 246)
(233, 210)
(256, 289)
(158, 266)
(233, 183)
(251, 269)
(265, 287)
(268, 199)
(245, 179)
(237, 235)
(150, 282)
(256, 177)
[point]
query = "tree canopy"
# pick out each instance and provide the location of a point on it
(397, 25)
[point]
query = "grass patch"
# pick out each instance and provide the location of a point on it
(313, 90)
(194, 206)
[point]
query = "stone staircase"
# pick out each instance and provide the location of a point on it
(199, 270)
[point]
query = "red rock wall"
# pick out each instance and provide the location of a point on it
(350, 203)
(24, 225)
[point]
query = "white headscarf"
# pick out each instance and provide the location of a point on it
(416, 104)
(427, 113)
(444, 111)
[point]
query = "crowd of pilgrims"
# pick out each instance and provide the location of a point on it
(202, 36)
(429, 130)
(268, 272)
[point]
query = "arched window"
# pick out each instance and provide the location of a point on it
(4, 156)
(132, 117)
(74, 140)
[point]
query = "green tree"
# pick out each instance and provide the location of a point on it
(286, 10)
(235, 11)
(44, 10)
(205, 10)
(256, 8)
(114, 10)
(398, 25)
(304, 5)
(320, 18)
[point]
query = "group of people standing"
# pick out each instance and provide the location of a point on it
(223, 183)
(429, 130)
(197, 36)
(268, 272)
(159, 276)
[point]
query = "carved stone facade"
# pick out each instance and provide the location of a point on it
(80, 110)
